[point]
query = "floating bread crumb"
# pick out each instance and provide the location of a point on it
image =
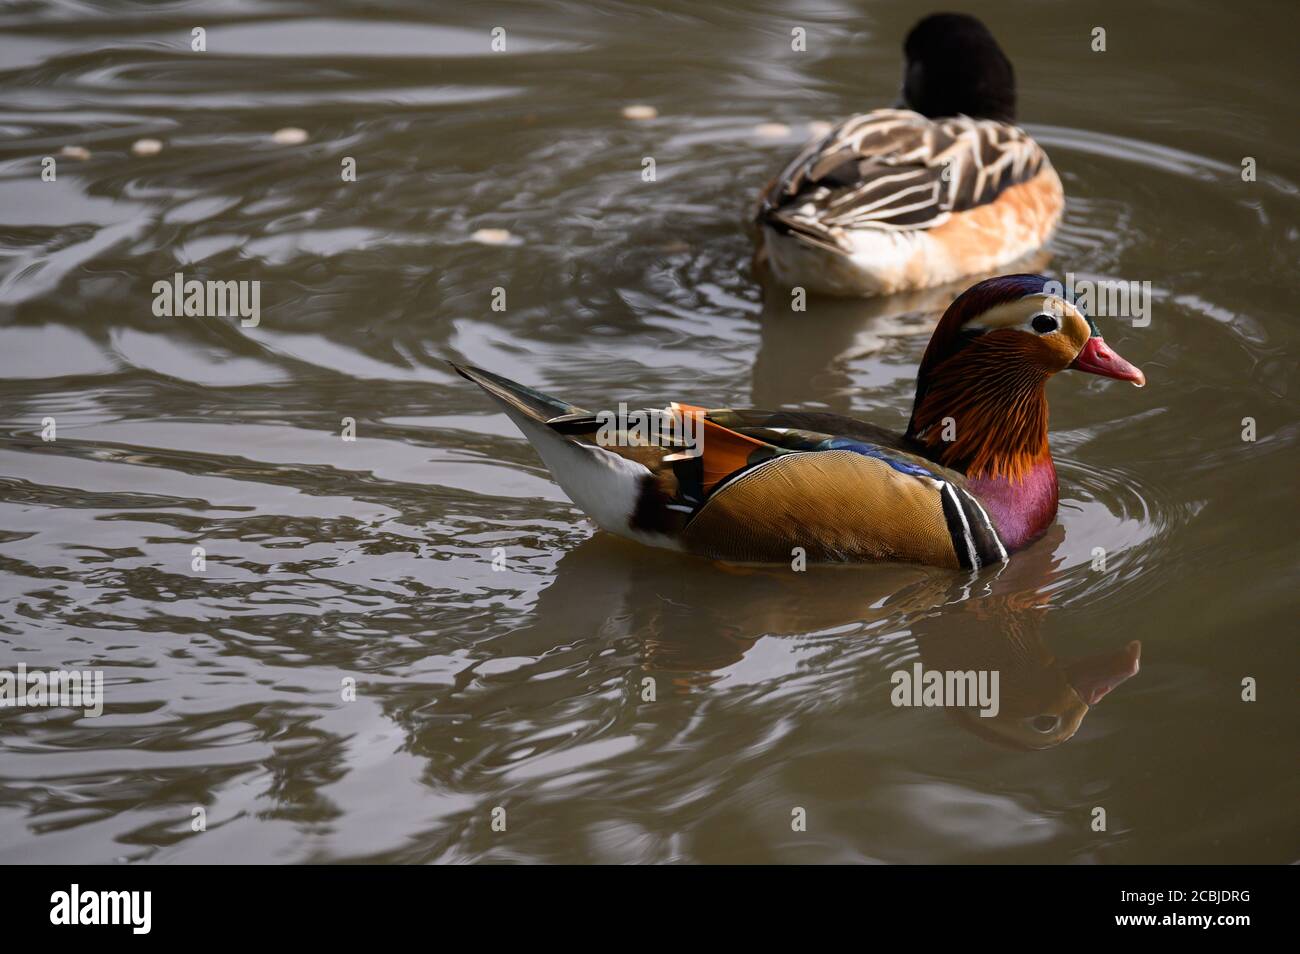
(492, 236)
(289, 136)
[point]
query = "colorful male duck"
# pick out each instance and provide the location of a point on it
(971, 480)
(898, 199)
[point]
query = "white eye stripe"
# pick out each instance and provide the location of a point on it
(1021, 313)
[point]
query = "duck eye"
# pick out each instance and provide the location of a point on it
(1045, 723)
(1045, 323)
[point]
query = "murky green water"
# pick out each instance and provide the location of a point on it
(523, 688)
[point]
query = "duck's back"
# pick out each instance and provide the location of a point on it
(892, 200)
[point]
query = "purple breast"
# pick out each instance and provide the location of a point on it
(1021, 510)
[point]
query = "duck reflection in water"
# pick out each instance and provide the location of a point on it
(816, 355)
(692, 620)
(1042, 699)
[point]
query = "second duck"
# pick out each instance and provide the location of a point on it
(898, 199)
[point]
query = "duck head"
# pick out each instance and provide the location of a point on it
(1045, 700)
(981, 403)
(954, 66)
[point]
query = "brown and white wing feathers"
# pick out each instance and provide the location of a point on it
(897, 170)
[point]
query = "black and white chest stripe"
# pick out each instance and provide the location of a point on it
(973, 535)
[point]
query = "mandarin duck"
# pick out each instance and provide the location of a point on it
(969, 481)
(944, 187)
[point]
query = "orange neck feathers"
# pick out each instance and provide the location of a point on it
(983, 410)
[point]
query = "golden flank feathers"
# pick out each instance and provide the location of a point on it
(835, 506)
